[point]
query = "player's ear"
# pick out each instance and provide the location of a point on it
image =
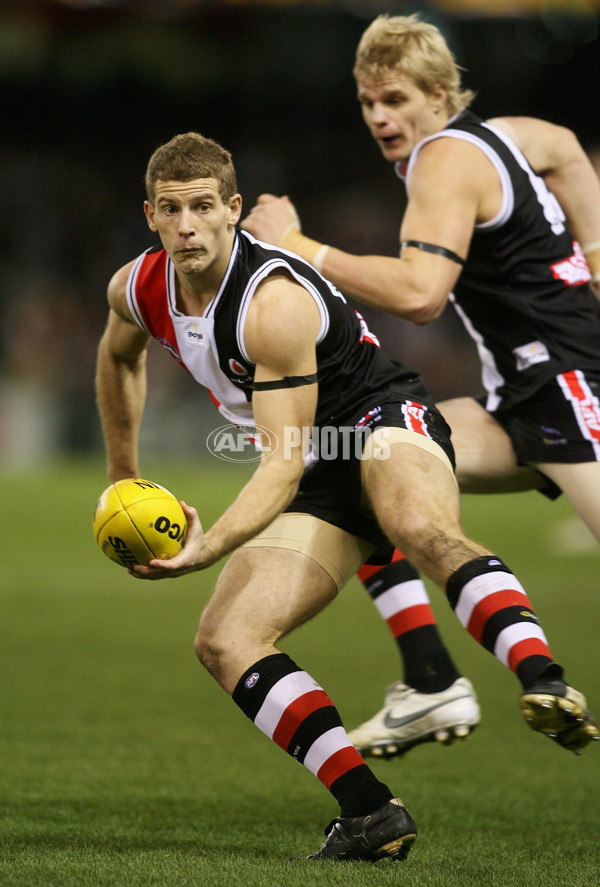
(149, 210)
(235, 209)
(438, 98)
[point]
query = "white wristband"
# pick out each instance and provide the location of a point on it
(590, 247)
(317, 262)
(293, 226)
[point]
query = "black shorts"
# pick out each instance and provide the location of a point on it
(559, 423)
(330, 487)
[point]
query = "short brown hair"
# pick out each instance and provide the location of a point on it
(191, 156)
(409, 46)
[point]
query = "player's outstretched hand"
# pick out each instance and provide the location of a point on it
(189, 559)
(272, 219)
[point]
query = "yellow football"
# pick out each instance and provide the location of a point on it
(136, 520)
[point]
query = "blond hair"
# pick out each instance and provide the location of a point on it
(191, 156)
(416, 49)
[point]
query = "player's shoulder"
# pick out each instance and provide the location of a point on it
(281, 311)
(279, 293)
(447, 161)
(117, 288)
(281, 298)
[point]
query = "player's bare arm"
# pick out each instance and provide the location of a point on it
(555, 153)
(121, 382)
(453, 185)
(280, 333)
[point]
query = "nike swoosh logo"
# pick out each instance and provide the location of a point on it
(394, 723)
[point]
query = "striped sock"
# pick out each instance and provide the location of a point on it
(295, 712)
(494, 608)
(399, 594)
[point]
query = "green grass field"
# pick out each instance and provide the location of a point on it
(122, 763)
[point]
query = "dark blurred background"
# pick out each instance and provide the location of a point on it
(89, 89)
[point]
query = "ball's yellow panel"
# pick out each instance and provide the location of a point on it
(136, 489)
(136, 520)
(161, 524)
(120, 541)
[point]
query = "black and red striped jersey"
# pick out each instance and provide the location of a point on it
(350, 363)
(524, 293)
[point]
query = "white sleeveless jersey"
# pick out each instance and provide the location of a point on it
(190, 340)
(350, 363)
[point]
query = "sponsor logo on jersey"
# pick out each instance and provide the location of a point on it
(585, 405)
(369, 418)
(530, 354)
(591, 420)
(414, 417)
(241, 373)
(573, 271)
(552, 436)
(170, 348)
(365, 334)
(198, 333)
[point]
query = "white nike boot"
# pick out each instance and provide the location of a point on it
(409, 718)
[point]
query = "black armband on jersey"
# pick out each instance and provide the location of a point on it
(286, 382)
(432, 248)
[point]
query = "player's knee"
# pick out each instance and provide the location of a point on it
(201, 645)
(208, 649)
(423, 538)
(416, 528)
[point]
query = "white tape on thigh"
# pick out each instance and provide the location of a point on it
(339, 553)
(379, 442)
